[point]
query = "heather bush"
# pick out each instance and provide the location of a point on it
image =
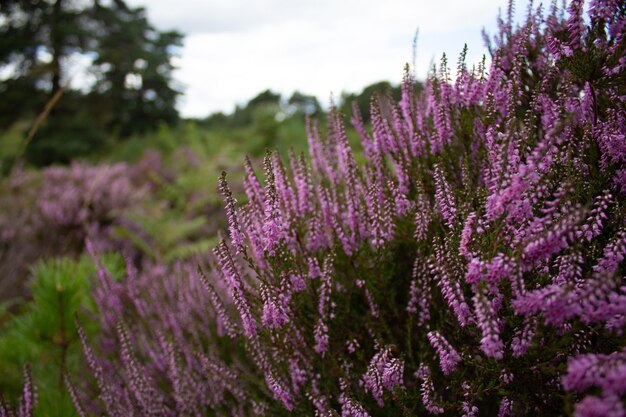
(19, 226)
(71, 202)
(465, 260)
(162, 210)
(50, 213)
(82, 199)
(471, 265)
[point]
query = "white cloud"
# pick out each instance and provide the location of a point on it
(234, 49)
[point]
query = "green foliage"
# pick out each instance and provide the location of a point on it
(167, 237)
(176, 216)
(303, 104)
(68, 133)
(10, 144)
(135, 86)
(42, 331)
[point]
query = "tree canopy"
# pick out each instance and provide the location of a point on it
(114, 67)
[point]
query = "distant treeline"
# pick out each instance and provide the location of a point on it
(105, 74)
(299, 103)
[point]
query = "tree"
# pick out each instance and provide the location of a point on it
(134, 89)
(303, 104)
(134, 70)
(36, 39)
(266, 102)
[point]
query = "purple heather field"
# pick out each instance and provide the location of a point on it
(451, 246)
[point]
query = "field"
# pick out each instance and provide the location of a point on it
(456, 248)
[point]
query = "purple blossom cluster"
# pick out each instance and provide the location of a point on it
(448, 356)
(27, 401)
(75, 196)
(488, 209)
(50, 212)
(69, 204)
(156, 353)
(383, 372)
(605, 371)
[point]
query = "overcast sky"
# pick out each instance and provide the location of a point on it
(233, 49)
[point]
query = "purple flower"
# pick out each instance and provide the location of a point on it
(506, 408)
(351, 408)
(499, 268)
(422, 218)
(604, 406)
(252, 186)
(486, 320)
(223, 320)
(451, 291)
(427, 390)
(444, 198)
(320, 333)
(231, 274)
(274, 314)
(393, 374)
(230, 202)
(280, 391)
(469, 410)
(448, 357)
(523, 337)
(420, 292)
(302, 179)
(28, 400)
(466, 236)
(383, 372)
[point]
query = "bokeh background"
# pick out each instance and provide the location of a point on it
(127, 67)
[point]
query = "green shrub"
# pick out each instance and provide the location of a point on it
(42, 332)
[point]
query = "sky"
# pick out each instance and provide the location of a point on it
(234, 49)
